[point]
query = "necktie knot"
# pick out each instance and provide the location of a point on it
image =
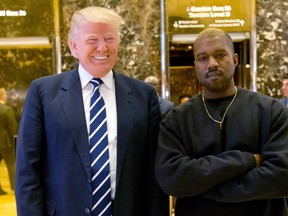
(96, 82)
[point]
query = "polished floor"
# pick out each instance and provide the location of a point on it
(7, 202)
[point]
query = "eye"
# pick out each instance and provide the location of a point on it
(109, 39)
(220, 55)
(202, 58)
(91, 40)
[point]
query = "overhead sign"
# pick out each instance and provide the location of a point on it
(192, 16)
(25, 18)
(13, 13)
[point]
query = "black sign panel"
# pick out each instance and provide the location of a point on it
(192, 16)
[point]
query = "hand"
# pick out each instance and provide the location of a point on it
(258, 159)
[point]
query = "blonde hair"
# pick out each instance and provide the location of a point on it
(94, 14)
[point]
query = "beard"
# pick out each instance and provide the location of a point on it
(219, 85)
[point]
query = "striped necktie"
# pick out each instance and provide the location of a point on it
(99, 153)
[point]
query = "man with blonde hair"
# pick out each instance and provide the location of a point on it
(69, 163)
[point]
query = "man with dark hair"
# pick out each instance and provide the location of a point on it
(184, 97)
(225, 151)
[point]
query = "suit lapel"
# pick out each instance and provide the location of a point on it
(125, 116)
(72, 97)
(72, 104)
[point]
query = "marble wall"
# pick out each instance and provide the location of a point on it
(139, 54)
(272, 45)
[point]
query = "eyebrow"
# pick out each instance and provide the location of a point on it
(214, 51)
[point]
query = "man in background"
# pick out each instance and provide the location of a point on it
(165, 105)
(285, 91)
(8, 128)
(183, 98)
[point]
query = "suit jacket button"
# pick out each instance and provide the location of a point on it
(87, 210)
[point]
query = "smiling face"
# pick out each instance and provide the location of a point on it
(96, 47)
(215, 63)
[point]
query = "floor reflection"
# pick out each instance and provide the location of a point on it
(7, 202)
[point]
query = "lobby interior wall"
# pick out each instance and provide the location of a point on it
(272, 45)
(139, 54)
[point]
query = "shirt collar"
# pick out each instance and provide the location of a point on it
(86, 77)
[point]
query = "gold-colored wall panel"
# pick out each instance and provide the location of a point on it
(139, 54)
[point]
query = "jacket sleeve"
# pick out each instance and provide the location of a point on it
(158, 202)
(28, 187)
(181, 175)
(269, 180)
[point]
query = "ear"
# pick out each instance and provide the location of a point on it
(73, 47)
(235, 59)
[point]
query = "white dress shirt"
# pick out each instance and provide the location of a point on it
(107, 91)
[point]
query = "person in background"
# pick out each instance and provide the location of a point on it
(53, 165)
(224, 152)
(165, 105)
(8, 129)
(285, 91)
(183, 98)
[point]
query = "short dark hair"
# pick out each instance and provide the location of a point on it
(215, 32)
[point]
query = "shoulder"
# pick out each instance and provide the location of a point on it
(258, 100)
(166, 102)
(194, 101)
(189, 108)
(72, 74)
(120, 76)
(283, 100)
(132, 83)
(50, 85)
(64, 79)
(256, 96)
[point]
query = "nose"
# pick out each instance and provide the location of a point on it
(212, 63)
(101, 46)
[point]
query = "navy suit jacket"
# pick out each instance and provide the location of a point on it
(53, 162)
(284, 101)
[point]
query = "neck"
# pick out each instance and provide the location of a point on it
(219, 94)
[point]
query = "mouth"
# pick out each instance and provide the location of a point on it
(213, 74)
(101, 58)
